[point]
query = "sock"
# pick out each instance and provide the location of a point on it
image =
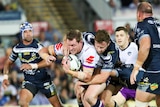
(80, 104)
(98, 104)
(115, 104)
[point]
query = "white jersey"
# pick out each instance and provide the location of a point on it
(88, 55)
(58, 48)
(129, 55)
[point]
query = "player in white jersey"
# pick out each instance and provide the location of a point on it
(84, 51)
(128, 52)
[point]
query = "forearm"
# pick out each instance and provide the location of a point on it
(44, 53)
(42, 64)
(6, 67)
(98, 79)
(80, 75)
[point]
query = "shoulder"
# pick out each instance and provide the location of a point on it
(133, 46)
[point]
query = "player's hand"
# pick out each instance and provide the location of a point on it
(65, 65)
(50, 59)
(25, 67)
(5, 83)
(133, 76)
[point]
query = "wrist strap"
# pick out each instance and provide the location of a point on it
(5, 76)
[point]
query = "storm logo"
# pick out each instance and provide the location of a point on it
(90, 59)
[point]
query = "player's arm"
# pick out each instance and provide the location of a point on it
(30, 66)
(47, 53)
(84, 75)
(100, 78)
(143, 52)
(144, 49)
(7, 65)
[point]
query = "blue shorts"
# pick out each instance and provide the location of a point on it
(47, 88)
(150, 83)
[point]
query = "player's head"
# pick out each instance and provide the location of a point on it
(122, 37)
(24, 28)
(74, 41)
(144, 10)
(102, 41)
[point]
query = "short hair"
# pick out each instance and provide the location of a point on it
(145, 7)
(102, 36)
(74, 34)
(121, 28)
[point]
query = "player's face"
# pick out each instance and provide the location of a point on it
(28, 35)
(121, 38)
(74, 46)
(101, 47)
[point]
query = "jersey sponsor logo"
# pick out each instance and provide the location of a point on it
(58, 46)
(90, 59)
(156, 45)
(26, 53)
(153, 86)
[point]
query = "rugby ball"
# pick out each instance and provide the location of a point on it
(74, 62)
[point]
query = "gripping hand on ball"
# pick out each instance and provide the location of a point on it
(65, 64)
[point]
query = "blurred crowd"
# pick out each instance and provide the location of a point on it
(132, 4)
(7, 5)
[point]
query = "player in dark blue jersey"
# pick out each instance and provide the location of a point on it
(148, 38)
(35, 74)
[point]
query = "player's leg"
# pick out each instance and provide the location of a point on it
(55, 101)
(84, 102)
(27, 93)
(158, 100)
(79, 92)
(107, 94)
(143, 98)
(118, 99)
(49, 90)
(92, 93)
(124, 94)
(25, 97)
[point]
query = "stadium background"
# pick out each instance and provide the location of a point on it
(59, 16)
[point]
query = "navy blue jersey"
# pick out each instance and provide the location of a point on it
(149, 27)
(109, 57)
(29, 54)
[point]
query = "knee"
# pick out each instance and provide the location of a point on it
(89, 98)
(23, 103)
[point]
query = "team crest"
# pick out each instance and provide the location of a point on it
(153, 86)
(129, 53)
